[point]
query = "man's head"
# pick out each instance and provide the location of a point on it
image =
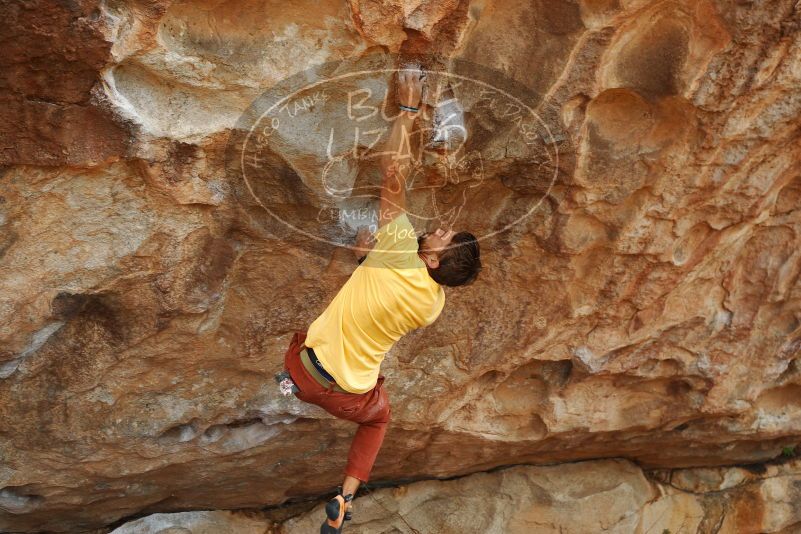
(453, 259)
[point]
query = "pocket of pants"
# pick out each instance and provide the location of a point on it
(346, 404)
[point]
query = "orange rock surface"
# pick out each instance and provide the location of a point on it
(642, 300)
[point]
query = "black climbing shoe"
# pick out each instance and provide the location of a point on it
(335, 509)
(348, 498)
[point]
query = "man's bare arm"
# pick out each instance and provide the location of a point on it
(397, 154)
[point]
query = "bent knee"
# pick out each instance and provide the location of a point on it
(379, 410)
(384, 409)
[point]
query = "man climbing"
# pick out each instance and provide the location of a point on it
(396, 288)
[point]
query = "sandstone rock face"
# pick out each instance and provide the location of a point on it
(211, 522)
(647, 306)
(593, 496)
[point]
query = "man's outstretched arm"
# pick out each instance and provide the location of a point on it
(397, 153)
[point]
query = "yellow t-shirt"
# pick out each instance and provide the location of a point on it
(387, 296)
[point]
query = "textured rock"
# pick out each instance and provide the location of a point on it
(50, 109)
(594, 496)
(212, 522)
(648, 308)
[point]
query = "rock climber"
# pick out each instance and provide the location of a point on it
(396, 288)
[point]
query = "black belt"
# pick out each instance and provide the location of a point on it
(317, 365)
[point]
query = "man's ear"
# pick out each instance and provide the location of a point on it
(431, 259)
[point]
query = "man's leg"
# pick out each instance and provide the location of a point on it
(373, 416)
(373, 419)
(351, 485)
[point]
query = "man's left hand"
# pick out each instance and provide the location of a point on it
(364, 242)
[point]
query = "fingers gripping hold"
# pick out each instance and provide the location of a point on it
(410, 85)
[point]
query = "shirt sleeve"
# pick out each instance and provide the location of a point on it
(437, 309)
(395, 246)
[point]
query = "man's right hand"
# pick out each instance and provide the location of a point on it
(410, 86)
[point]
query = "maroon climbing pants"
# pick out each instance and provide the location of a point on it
(370, 410)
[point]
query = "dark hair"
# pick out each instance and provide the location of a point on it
(459, 264)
